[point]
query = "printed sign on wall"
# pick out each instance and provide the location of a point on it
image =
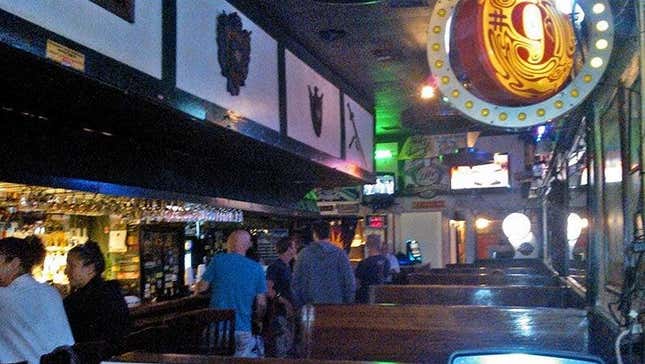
(359, 135)
(313, 107)
(136, 43)
(425, 178)
(428, 146)
(224, 58)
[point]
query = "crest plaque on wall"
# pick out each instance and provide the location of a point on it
(122, 8)
(233, 51)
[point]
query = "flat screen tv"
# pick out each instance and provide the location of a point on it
(385, 185)
(483, 176)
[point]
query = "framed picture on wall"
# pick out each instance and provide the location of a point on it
(122, 8)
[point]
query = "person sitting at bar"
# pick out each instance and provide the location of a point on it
(237, 282)
(96, 309)
(32, 318)
(371, 270)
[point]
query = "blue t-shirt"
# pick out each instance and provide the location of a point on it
(235, 280)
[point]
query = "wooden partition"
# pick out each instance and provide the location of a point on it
(489, 270)
(487, 279)
(153, 314)
(525, 296)
(429, 334)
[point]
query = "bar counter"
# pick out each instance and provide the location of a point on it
(144, 358)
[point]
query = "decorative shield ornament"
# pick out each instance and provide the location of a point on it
(315, 106)
(233, 51)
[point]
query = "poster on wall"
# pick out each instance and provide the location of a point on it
(100, 26)
(226, 59)
(428, 146)
(425, 178)
(313, 107)
(359, 135)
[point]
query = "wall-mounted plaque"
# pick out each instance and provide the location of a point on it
(313, 107)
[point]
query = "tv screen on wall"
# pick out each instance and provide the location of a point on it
(384, 185)
(483, 176)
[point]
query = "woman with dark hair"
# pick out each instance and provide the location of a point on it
(96, 309)
(32, 318)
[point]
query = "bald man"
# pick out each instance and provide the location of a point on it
(236, 281)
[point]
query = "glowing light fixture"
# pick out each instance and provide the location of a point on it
(383, 154)
(517, 228)
(482, 223)
(427, 92)
(574, 227)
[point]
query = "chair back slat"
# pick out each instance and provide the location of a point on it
(206, 331)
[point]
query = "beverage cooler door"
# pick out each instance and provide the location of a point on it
(161, 263)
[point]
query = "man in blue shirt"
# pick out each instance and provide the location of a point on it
(236, 281)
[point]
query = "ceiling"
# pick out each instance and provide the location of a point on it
(382, 55)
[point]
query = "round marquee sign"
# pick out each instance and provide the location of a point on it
(518, 56)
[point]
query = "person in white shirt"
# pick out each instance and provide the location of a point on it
(394, 262)
(32, 318)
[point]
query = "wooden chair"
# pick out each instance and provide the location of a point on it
(207, 331)
(152, 339)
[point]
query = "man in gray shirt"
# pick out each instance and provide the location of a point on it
(322, 273)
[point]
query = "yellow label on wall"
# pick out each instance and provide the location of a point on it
(65, 56)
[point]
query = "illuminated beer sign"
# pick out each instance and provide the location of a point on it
(513, 62)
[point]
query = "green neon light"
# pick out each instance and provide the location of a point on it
(383, 154)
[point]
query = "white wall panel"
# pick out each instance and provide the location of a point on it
(364, 122)
(136, 44)
(299, 124)
(199, 72)
(424, 227)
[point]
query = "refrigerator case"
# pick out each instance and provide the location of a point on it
(162, 257)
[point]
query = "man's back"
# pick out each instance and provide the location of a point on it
(370, 271)
(323, 275)
(235, 281)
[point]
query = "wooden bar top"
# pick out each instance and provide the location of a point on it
(145, 358)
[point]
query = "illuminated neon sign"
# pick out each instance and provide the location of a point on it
(514, 63)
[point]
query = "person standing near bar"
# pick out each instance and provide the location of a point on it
(32, 317)
(237, 281)
(395, 268)
(96, 309)
(322, 273)
(281, 299)
(372, 270)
